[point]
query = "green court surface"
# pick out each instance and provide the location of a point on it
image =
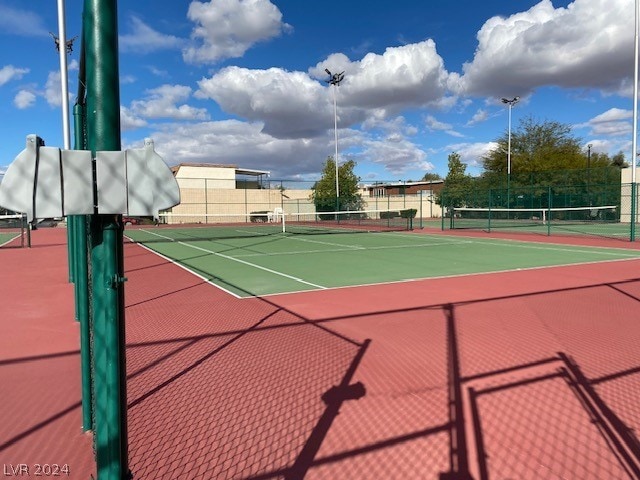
(281, 263)
(7, 237)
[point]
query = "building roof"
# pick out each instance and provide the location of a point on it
(239, 171)
(402, 184)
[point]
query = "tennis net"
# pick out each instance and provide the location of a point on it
(14, 231)
(187, 226)
(488, 218)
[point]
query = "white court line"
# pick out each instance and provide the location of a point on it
(337, 250)
(259, 267)
(9, 241)
(178, 264)
(475, 239)
(352, 247)
(572, 249)
(456, 275)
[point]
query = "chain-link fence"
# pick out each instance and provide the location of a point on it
(607, 210)
(212, 196)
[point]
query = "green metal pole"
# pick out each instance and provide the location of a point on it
(489, 214)
(71, 247)
(82, 287)
(421, 226)
(107, 265)
(634, 206)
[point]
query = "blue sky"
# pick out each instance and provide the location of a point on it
(242, 81)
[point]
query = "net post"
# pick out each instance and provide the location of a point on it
(489, 215)
(550, 197)
(28, 229)
(284, 225)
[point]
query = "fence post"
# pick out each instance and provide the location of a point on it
(421, 226)
(206, 200)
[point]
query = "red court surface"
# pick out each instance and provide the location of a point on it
(521, 375)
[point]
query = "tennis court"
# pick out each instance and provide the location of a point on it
(527, 373)
(12, 227)
(258, 262)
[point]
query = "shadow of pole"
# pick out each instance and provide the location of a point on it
(458, 453)
(333, 398)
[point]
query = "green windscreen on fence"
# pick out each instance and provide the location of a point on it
(605, 210)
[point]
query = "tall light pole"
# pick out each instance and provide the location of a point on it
(634, 143)
(335, 79)
(511, 102)
(63, 47)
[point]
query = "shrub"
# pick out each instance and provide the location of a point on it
(408, 213)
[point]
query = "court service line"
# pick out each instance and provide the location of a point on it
(259, 267)
(573, 249)
(337, 250)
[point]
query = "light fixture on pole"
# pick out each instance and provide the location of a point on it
(335, 79)
(511, 102)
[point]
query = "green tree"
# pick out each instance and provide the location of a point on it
(456, 183)
(323, 192)
(619, 161)
(430, 177)
(536, 147)
(544, 154)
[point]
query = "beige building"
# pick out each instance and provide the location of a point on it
(211, 193)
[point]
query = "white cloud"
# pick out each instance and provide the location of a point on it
(228, 28)
(9, 72)
(290, 104)
(472, 153)
(24, 99)
(53, 92)
(21, 22)
(398, 155)
(612, 115)
(163, 102)
(157, 71)
(129, 120)
(613, 122)
(144, 39)
(586, 44)
(294, 105)
(409, 75)
(127, 79)
(478, 117)
(433, 124)
(240, 143)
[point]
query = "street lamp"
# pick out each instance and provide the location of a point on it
(511, 102)
(335, 79)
